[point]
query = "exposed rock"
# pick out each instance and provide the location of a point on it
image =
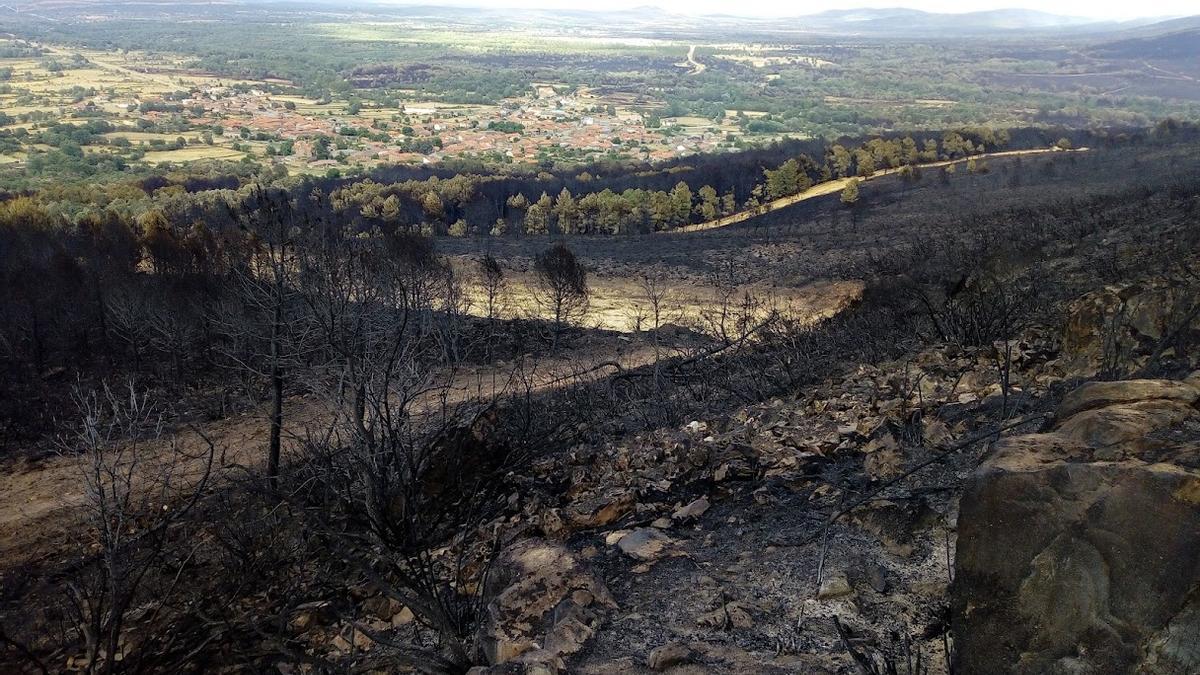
(402, 618)
(875, 576)
(600, 510)
(1103, 394)
(1125, 429)
(1079, 549)
(669, 655)
(310, 615)
(1123, 321)
(540, 594)
(382, 607)
(693, 510)
(645, 544)
(835, 585)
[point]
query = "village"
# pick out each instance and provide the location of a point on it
(162, 112)
(545, 126)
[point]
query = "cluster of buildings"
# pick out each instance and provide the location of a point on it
(527, 130)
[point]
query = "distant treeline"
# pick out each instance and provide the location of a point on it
(602, 198)
(464, 198)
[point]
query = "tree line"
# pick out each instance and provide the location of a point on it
(437, 206)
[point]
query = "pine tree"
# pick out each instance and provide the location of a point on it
(567, 211)
(710, 206)
(536, 219)
(681, 203)
(850, 193)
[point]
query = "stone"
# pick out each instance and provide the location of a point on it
(611, 538)
(402, 618)
(309, 615)
(645, 544)
(381, 607)
(669, 656)
(835, 585)
(362, 641)
(538, 593)
(1103, 394)
(1128, 320)
(599, 510)
(341, 644)
(729, 615)
(1126, 427)
(693, 510)
(568, 636)
(894, 524)
(1079, 549)
(874, 575)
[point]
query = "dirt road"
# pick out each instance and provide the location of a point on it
(41, 500)
(837, 185)
(697, 67)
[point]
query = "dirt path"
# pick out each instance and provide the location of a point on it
(838, 184)
(40, 501)
(1173, 75)
(697, 67)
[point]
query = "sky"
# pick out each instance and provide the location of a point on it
(1098, 9)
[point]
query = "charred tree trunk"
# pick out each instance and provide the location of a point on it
(273, 450)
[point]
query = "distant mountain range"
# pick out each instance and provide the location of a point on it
(899, 19)
(1168, 40)
(1168, 36)
(882, 22)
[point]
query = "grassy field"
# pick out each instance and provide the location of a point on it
(191, 154)
(531, 42)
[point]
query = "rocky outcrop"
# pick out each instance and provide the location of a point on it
(1119, 327)
(1079, 548)
(544, 605)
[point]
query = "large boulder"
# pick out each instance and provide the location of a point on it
(1095, 395)
(1119, 326)
(543, 605)
(1079, 548)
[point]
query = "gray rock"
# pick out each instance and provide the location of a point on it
(645, 544)
(693, 510)
(669, 656)
(834, 585)
(1079, 550)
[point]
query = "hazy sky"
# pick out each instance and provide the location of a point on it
(1101, 9)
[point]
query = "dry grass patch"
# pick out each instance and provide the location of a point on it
(192, 154)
